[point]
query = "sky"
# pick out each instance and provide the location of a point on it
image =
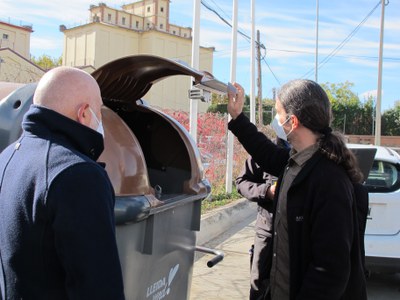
(348, 38)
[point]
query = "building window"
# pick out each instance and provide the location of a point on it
(161, 26)
(109, 17)
(148, 25)
(137, 24)
(162, 9)
(185, 35)
(148, 8)
(123, 21)
(5, 36)
(174, 32)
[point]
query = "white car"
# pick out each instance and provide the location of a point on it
(382, 234)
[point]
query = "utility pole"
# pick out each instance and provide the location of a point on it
(195, 65)
(344, 125)
(373, 120)
(379, 92)
(259, 85)
(252, 64)
(316, 43)
(229, 144)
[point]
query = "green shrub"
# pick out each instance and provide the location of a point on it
(218, 199)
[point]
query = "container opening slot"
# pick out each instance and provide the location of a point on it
(166, 155)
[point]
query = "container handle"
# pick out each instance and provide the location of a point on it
(219, 255)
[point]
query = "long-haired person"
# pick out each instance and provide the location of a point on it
(315, 250)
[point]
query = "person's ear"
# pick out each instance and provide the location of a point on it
(295, 121)
(83, 115)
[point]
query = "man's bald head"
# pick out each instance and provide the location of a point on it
(66, 89)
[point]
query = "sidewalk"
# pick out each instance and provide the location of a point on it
(229, 279)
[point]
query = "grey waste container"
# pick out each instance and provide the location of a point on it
(155, 169)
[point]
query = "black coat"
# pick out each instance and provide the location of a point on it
(253, 184)
(57, 228)
(324, 246)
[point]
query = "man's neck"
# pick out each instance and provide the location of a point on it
(302, 139)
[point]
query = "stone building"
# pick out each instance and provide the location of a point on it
(141, 27)
(15, 63)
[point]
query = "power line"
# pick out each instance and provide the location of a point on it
(345, 56)
(224, 20)
(216, 4)
(324, 61)
(242, 34)
(276, 78)
(344, 42)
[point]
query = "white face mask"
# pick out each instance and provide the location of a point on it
(278, 128)
(100, 128)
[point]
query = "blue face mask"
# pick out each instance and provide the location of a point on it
(278, 128)
(100, 128)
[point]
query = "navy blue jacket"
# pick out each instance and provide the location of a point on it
(324, 246)
(57, 229)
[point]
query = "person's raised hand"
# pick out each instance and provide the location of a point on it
(236, 101)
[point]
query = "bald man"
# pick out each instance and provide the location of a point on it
(57, 230)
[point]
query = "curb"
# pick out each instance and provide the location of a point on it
(219, 220)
